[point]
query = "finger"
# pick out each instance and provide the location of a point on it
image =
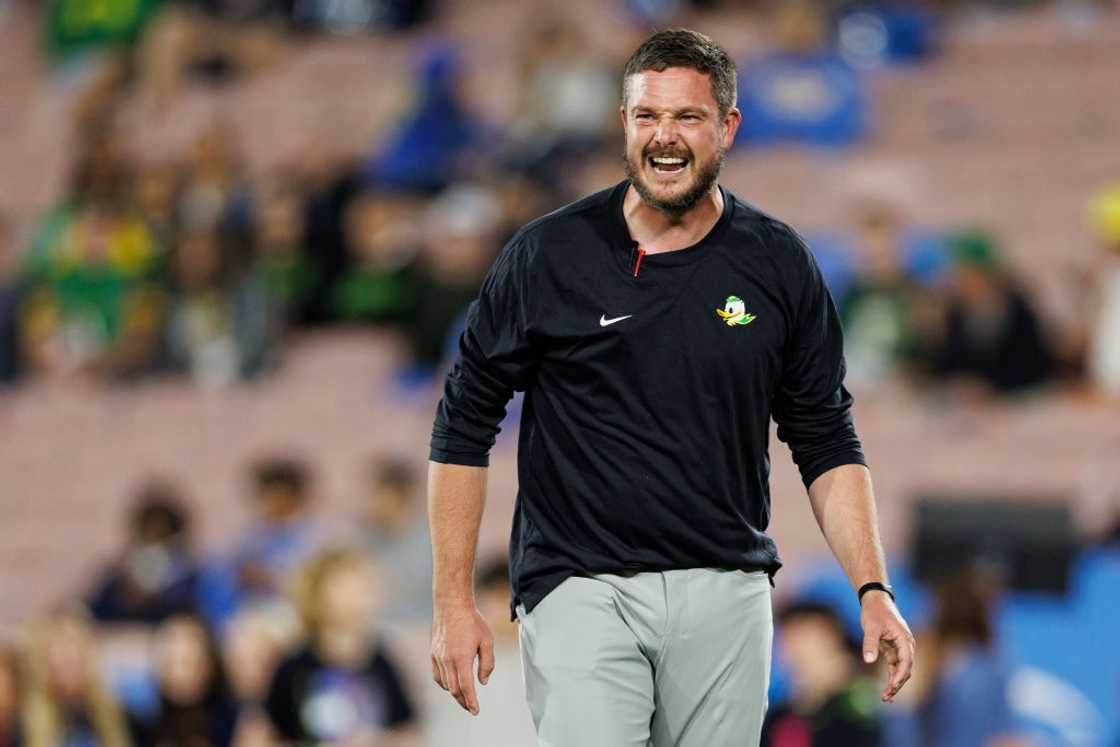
(892, 678)
(890, 653)
(465, 672)
(452, 679)
(871, 645)
(892, 688)
(900, 653)
(904, 662)
(485, 660)
(892, 673)
(436, 674)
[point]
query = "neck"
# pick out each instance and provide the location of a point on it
(657, 231)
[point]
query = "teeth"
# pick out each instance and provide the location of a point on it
(670, 161)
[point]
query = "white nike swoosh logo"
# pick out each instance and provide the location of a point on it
(604, 322)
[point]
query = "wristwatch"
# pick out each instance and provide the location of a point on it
(875, 586)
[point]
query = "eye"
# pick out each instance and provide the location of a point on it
(690, 118)
(643, 117)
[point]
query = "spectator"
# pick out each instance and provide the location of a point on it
(254, 643)
(253, 646)
(503, 718)
(458, 249)
(802, 92)
(66, 703)
(221, 326)
(157, 576)
(196, 707)
(832, 702)
(10, 732)
(215, 194)
(395, 532)
(340, 687)
(291, 274)
(382, 238)
(430, 147)
(961, 692)
(283, 535)
(92, 304)
(992, 336)
(567, 101)
(286, 533)
(882, 284)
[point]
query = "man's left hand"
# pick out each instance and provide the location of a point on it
(885, 630)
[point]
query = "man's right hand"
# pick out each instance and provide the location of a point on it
(459, 634)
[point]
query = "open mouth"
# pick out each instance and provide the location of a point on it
(667, 164)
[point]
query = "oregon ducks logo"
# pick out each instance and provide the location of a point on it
(734, 312)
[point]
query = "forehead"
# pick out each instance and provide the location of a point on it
(672, 88)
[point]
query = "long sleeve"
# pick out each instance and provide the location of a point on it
(811, 407)
(495, 359)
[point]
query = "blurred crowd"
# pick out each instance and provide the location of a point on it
(278, 640)
(289, 637)
(146, 269)
(284, 638)
(190, 264)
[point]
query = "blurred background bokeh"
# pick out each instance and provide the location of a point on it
(237, 238)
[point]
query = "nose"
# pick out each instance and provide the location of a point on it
(666, 133)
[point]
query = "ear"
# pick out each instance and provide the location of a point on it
(731, 124)
(622, 115)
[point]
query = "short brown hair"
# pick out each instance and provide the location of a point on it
(691, 49)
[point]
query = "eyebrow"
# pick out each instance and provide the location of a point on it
(683, 110)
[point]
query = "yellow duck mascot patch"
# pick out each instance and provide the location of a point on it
(734, 312)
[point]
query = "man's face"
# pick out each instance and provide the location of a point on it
(675, 137)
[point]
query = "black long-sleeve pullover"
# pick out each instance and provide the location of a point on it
(650, 382)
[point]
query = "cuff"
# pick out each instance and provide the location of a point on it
(451, 457)
(811, 473)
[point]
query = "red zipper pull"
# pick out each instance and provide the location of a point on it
(638, 263)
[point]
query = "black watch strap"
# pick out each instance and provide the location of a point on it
(876, 586)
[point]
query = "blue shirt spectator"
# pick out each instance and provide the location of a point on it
(967, 707)
(283, 536)
(425, 150)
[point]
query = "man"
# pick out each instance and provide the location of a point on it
(655, 327)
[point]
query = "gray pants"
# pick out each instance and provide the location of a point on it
(671, 659)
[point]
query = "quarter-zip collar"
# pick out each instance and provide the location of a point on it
(630, 253)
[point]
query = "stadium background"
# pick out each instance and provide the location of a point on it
(241, 231)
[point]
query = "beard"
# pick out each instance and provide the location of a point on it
(676, 207)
